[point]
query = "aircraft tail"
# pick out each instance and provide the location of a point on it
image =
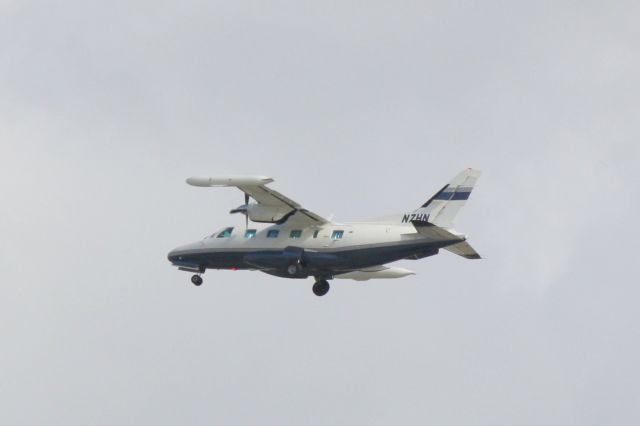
(463, 249)
(457, 242)
(442, 208)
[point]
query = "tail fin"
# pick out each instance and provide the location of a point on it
(443, 207)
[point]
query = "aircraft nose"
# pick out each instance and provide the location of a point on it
(173, 256)
(182, 253)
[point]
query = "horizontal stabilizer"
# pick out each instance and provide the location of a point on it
(435, 233)
(463, 249)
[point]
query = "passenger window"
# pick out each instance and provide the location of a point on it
(295, 234)
(315, 233)
(250, 233)
(226, 233)
(337, 235)
(273, 233)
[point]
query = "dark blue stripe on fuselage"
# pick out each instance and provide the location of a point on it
(348, 259)
(452, 196)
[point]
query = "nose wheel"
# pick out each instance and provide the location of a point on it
(196, 280)
(321, 287)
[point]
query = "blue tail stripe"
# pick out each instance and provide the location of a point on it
(453, 196)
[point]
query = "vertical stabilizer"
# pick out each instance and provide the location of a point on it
(443, 207)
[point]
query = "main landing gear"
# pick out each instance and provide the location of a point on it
(294, 269)
(321, 287)
(196, 280)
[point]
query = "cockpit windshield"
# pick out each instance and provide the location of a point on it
(226, 233)
(223, 233)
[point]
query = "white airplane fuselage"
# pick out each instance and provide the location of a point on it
(354, 246)
(286, 240)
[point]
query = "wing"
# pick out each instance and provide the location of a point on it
(272, 206)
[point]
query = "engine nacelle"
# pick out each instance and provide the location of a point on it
(264, 214)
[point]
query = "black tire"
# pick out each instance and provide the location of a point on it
(321, 287)
(196, 280)
(293, 269)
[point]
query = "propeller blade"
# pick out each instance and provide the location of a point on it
(246, 215)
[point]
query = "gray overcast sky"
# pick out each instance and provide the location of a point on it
(358, 109)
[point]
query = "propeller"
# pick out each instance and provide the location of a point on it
(244, 209)
(246, 214)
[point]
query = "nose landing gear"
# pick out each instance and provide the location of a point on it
(196, 280)
(321, 287)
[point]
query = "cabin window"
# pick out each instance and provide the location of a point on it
(273, 233)
(296, 233)
(226, 233)
(337, 235)
(315, 233)
(250, 233)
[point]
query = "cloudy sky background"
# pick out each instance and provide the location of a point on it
(358, 109)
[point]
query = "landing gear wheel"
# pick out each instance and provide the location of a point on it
(293, 269)
(320, 288)
(196, 280)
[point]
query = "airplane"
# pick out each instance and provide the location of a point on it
(286, 240)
